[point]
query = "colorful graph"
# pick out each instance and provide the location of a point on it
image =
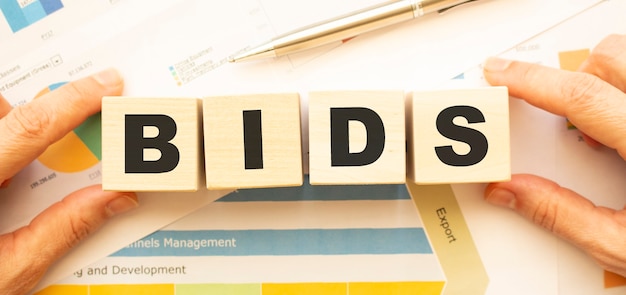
(298, 240)
(78, 150)
(23, 13)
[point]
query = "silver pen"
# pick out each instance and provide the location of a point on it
(344, 27)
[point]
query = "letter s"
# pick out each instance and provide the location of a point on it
(474, 138)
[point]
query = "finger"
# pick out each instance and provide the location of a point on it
(592, 105)
(608, 61)
(601, 232)
(28, 130)
(29, 251)
(5, 107)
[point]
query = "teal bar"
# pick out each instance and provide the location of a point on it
(308, 192)
(280, 242)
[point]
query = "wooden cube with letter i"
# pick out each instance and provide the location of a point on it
(150, 144)
(357, 137)
(252, 141)
(459, 135)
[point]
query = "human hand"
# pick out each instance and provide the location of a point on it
(593, 99)
(26, 131)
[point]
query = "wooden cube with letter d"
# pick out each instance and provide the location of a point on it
(357, 137)
(150, 144)
(252, 141)
(459, 135)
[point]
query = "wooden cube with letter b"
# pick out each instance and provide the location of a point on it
(252, 141)
(357, 137)
(460, 135)
(150, 144)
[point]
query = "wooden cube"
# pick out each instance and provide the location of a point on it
(459, 135)
(253, 141)
(357, 137)
(150, 144)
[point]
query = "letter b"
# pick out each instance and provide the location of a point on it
(137, 143)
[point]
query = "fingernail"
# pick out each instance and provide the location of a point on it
(501, 197)
(121, 204)
(496, 64)
(108, 77)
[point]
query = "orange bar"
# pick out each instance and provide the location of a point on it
(572, 60)
(396, 288)
(64, 290)
(612, 280)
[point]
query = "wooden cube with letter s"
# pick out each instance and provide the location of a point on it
(459, 135)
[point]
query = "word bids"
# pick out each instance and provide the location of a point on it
(355, 137)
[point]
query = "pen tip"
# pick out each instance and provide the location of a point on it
(263, 51)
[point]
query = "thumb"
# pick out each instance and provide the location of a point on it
(599, 231)
(27, 253)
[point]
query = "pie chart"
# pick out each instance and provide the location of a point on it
(78, 150)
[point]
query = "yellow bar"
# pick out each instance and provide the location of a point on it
(396, 288)
(164, 289)
(230, 289)
(64, 290)
(305, 289)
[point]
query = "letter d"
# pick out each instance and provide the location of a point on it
(339, 134)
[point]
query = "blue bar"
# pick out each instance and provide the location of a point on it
(280, 242)
(34, 12)
(309, 192)
(13, 14)
(51, 6)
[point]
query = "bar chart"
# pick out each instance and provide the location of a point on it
(299, 240)
(23, 13)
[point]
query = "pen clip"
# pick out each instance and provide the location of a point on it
(453, 6)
